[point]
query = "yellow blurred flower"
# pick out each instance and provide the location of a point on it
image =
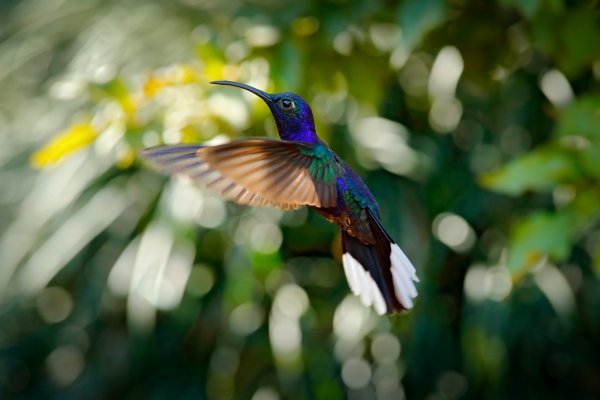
(76, 137)
(178, 75)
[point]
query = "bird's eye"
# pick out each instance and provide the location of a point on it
(287, 104)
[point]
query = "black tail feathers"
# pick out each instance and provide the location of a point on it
(379, 273)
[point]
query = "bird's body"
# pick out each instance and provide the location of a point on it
(302, 170)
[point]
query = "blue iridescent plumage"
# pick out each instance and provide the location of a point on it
(302, 170)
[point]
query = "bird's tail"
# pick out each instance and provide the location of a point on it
(379, 273)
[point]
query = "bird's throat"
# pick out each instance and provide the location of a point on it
(303, 132)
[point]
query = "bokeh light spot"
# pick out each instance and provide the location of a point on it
(54, 304)
(556, 88)
(413, 76)
(356, 373)
(265, 393)
(445, 73)
(385, 36)
(481, 282)
(454, 231)
(452, 385)
(343, 43)
(262, 35)
(445, 113)
(290, 303)
(213, 212)
(352, 320)
(385, 348)
(291, 300)
(246, 318)
(266, 237)
(387, 382)
(201, 280)
(65, 364)
(556, 289)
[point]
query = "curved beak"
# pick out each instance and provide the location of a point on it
(265, 96)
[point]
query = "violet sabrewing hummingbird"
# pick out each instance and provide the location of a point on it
(302, 170)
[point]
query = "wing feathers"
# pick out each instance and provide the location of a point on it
(255, 172)
(267, 168)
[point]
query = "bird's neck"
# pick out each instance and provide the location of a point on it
(300, 132)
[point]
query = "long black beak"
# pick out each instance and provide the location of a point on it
(265, 96)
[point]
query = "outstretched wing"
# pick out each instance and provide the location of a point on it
(259, 172)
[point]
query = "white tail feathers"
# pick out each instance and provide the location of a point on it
(363, 285)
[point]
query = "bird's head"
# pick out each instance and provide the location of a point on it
(292, 113)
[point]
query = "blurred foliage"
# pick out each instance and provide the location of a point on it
(475, 123)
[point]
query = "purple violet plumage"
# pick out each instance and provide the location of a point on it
(297, 123)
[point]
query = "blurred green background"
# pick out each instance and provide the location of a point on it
(475, 123)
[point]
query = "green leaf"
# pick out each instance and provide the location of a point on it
(541, 170)
(577, 52)
(589, 160)
(539, 235)
(584, 209)
(581, 118)
(552, 234)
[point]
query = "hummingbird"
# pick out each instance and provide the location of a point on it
(301, 170)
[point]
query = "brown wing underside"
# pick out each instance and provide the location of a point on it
(256, 172)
